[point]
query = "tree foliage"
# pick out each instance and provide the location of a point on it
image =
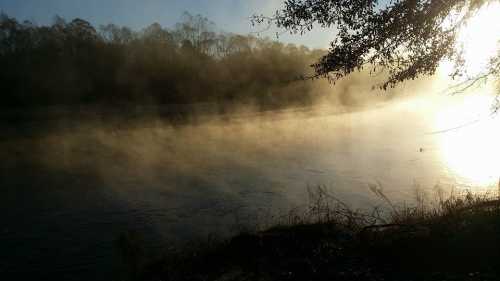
(406, 38)
(76, 63)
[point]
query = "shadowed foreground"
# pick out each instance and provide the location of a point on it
(457, 239)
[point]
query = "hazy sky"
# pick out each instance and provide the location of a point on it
(229, 15)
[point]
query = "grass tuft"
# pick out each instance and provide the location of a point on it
(440, 237)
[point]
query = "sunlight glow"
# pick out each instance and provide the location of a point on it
(470, 144)
(479, 40)
(480, 37)
(469, 135)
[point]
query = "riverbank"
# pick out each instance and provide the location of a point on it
(451, 239)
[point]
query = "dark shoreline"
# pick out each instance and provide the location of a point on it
(45, 120)
(460, 240)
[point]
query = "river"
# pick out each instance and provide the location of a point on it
(68, 194)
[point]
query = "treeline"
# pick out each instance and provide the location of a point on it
(75, 63)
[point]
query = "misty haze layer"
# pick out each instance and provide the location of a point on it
(90, 183)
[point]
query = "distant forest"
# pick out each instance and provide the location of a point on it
(75, 63)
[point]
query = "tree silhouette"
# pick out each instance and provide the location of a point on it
(73, 63)
(407, 38)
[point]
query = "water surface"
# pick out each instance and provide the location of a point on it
(69, 193)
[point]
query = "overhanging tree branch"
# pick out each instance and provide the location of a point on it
(408, 38)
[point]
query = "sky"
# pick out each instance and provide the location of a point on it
(228, 15)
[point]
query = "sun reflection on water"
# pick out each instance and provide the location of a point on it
(469, 140)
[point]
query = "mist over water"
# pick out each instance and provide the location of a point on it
(88, 183)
